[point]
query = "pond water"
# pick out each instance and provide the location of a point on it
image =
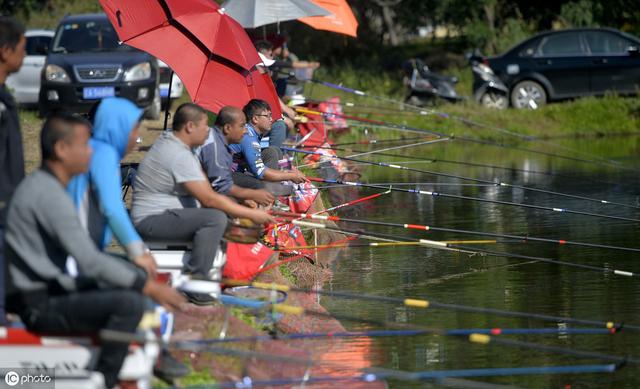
(498, 282)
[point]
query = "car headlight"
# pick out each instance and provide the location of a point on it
(55, 73)
(141, 71)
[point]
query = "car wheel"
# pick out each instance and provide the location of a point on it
(529, 95)
(154, 110)
(494, 100)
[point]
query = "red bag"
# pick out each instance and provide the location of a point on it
(324, 153)
(244, 260)
(288, 235)
(334, 118)
(303, 197)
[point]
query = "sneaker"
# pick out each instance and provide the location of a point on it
(167, 368)
(201, 299)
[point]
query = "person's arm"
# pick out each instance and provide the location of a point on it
(286, 109)
(105, 177)
(261, 196)
(283, 175)
(203, 192)
(58, 218)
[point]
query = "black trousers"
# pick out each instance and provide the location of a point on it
(203, 227)
(89, 312)
(2, 279)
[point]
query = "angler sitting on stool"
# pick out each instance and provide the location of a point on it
(43, 229)
(169, 186)
(217, 161)
(255, 165)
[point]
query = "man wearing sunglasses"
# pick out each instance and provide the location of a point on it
(252, 164)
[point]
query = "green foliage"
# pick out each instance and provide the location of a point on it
(286, 272)
(372, 80)
(247, 318)
(593, 116)
(578, 13)
(47, 13)
(513, 31)
(196, 378)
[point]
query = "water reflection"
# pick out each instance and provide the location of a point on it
(495, 282)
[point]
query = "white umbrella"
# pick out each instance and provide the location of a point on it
(256, 13)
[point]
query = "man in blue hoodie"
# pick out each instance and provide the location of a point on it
(97, 192)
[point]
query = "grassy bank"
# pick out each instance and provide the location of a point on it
(609, 115)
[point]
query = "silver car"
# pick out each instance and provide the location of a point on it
(25, 84)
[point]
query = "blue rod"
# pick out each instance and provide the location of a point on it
(505, 371)
(394, 333)
(247, 382)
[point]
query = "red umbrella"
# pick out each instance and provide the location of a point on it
(210, 51)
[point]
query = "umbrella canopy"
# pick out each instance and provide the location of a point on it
(256, 13)
(210, 52)
(341, 21)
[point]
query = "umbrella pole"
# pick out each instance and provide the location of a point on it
(166, 111)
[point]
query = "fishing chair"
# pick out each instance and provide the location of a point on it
(72, 357)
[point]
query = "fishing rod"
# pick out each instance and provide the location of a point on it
(336, 207)
(441, 377)
(461, 197)
(521, 238)
(464, 138)
(247, 383)
(351, 234)
(478, 180)
(404, 146)
(463, 163)
(476, 338)
(415, 302)
(416, 184)
(387, 244)
(466, 121)
(377, 141)
(482, 339)
(426, 142)
(409, 332)
(473, 250)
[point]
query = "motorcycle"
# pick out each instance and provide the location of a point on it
(488, 88)
(425, 87)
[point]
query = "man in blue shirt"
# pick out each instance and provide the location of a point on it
(217, 161)
(251, 159)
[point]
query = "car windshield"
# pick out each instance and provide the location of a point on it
(90, 35)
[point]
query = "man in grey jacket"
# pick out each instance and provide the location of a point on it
(43, 229)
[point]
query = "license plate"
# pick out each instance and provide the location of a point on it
(164, 92)
(98, 92)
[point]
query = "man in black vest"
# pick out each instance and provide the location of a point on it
(12, 52)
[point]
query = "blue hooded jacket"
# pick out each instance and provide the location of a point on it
(114, 120)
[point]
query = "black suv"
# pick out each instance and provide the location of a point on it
(86, 63)
(563, 64)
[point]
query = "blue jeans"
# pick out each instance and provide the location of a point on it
(2, 312)
(278, 133)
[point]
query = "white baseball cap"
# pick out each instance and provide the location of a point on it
(266, 61)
